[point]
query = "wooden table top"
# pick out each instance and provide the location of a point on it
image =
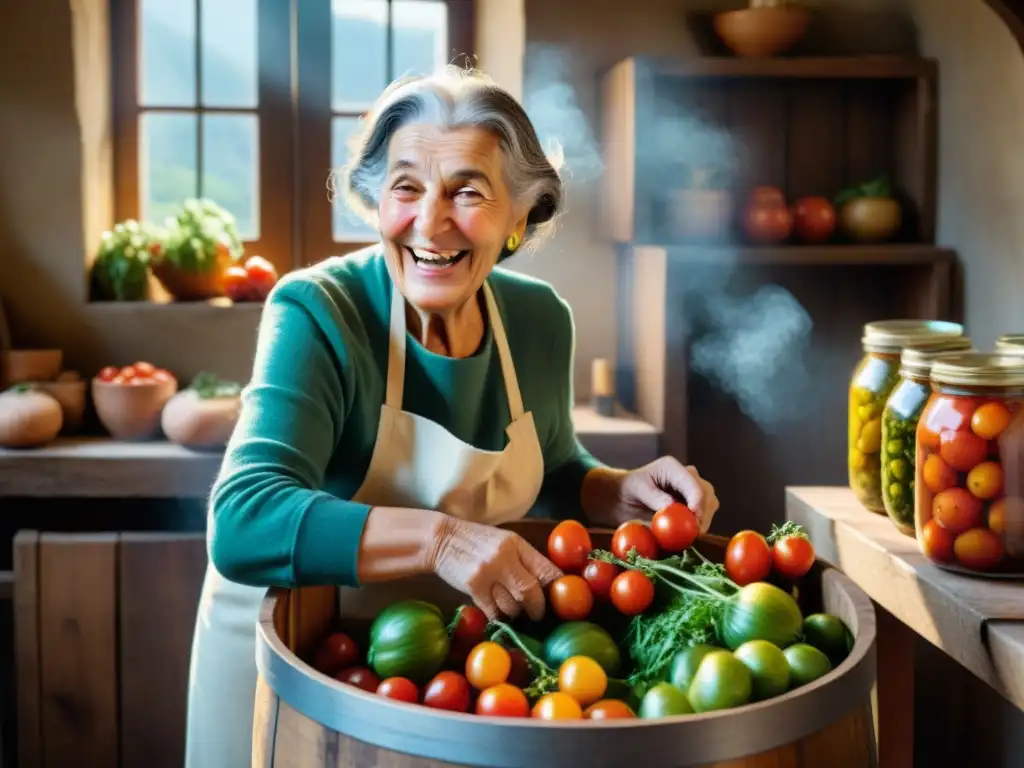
(978, 622)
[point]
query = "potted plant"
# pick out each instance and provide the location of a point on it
(120, 271)
(869, 212)
(202, 242)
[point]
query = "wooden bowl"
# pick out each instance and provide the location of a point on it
(298, 709)
(71, 394)
(23, 366)
(762, 32)
(132, 411)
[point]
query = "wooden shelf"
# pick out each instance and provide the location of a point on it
(817, 67)
(205, 307)
(812, 255)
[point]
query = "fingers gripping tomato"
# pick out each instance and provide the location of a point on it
(675, 527)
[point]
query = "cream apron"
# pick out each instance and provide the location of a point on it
(416, 463)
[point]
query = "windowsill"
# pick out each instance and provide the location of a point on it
(212, 305)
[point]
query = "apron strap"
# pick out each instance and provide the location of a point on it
(508, 369)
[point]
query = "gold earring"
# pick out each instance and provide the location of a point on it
(513, 241)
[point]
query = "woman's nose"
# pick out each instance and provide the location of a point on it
(434, 216)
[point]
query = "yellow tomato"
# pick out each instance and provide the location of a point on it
(487, 665)
(582, 678)
(557, 706)
(985, 480)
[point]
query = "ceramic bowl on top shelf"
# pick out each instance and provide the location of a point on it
(762, 31)
(132, 411)
(23, 366)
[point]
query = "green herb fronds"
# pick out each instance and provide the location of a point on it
(208, 385)
(788, 528)
(653, 639)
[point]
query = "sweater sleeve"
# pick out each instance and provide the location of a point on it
(566, 461)
(270, 522)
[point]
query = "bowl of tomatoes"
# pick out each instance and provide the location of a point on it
(130, 399)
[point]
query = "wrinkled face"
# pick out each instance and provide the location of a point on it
(445, 213)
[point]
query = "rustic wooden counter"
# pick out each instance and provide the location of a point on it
(977, 622)
(101, 467)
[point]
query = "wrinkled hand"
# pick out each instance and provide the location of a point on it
(644, 491)
(497, 568)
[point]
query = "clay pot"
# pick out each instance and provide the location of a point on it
(70, 392)
(870, 219)
(186, 285)
(132, 411)
(762, 32)
(22, 366)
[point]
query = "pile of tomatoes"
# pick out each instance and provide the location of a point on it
(251, 281)
(768, 220)
(136, 374)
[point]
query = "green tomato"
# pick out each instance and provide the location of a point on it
(664, 700)
(769, 670)
(806, 664)
(722, 682)
(685, 663)
(829, 635)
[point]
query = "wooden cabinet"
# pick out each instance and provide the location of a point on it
(741, 355)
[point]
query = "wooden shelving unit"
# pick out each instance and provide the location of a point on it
(809, 126)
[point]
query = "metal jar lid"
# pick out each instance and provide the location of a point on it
(976, 369)
(917, 361)
(891, 336)
(1010, 343)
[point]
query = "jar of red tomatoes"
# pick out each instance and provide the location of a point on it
(873, 380)
(1010, 343)
(969, 499)
(899, 428)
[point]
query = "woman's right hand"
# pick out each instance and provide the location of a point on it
(497, 568)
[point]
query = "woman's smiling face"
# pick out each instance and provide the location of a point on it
(445, 213)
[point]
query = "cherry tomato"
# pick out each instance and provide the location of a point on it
(568, 546)
(488, 664)
(108, 373)
(583, 679)
(335, 653)
(986, 480)
(961, 449)
(262, 276)
(471, 626)
(521, 673)
(748, 558)
(144, 369)
(119, 379)
(557, 706)
(675, 527)
(979, 549)
(634, 535)
(399, 689)
(571, 598)
(608, 709)
(814, 219)
(599, 576)
(236, 283)
(989, 421)
(937, 542)
(937, 474)
(503, 700)
(956, 510)
(128, 372)
(162, 375)
(360, 677)
(1007, 514)
(793, 556)
(447, 690)
(632, 592)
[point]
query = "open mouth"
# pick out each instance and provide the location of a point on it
(436, 259)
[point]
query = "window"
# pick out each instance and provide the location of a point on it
(252, 103)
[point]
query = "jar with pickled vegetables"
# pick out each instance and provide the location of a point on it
(969, 497)
(899, 428)
(872, 382)
(1010, 343)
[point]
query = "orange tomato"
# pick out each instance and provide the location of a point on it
(262, 276)
(1007, 514)
(937, 474)
(582, 678)
(236, 283)
(979, 549)
(937, 542)
(487, 665)
(961, 449)
(956, 510)
(986, 480)
(503, 700)
(608, 709)
(990, 420)
(557, 706)
(571, 598)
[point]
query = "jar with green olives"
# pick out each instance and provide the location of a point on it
(899, 428)
(873, 380)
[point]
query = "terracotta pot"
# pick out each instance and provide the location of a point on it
(132, 411)
(185, 285)
(22, 366)
(70, 394)
(762, 32)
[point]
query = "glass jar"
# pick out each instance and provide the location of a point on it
(899, 428)
(872, 382)
(1010, 343)
(969, 500)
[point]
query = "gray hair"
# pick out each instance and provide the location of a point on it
(455, 98)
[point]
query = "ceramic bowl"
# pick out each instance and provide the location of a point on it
(762, 32)
(23, 366)
(132, 411)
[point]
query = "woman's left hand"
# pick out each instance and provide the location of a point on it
(642, 492)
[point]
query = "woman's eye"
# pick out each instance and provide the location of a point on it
(467, 193)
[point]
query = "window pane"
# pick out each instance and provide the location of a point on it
(167, 47)
(231, 168)
(358, 53)
(420, 43)
(167, 164)
(347, 226)
(228, 66)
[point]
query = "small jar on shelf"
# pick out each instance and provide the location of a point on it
(1010, 344)
(899, 428)
(873, 380)
(969, 496)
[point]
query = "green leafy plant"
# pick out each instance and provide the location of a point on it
(120, 271)
(879, 187)
(199, 234)
(209, 385)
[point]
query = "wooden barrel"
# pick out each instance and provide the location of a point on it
(304, 718)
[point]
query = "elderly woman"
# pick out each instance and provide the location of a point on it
(407, 400)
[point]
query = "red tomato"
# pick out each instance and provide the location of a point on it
(471, 627)
(360, 677)
(161, 375)
(447, 690)
(634, 534)
(748, 558)
(503, 700)
(144, 369)
(957, 510)
(814, 219)
(119, 379)
(937, 542)
(599, 576)
(335, 653)
(608, 709)
(128, 372)
(962, 449)
(979, 549)
(108, 373)
(569, 545)
(400, 689)
(632, 592)
(793, 556)
(571, 598)
(768, 223)
(262, 276)
(521, 672)
(236, 283)
(675, 527)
